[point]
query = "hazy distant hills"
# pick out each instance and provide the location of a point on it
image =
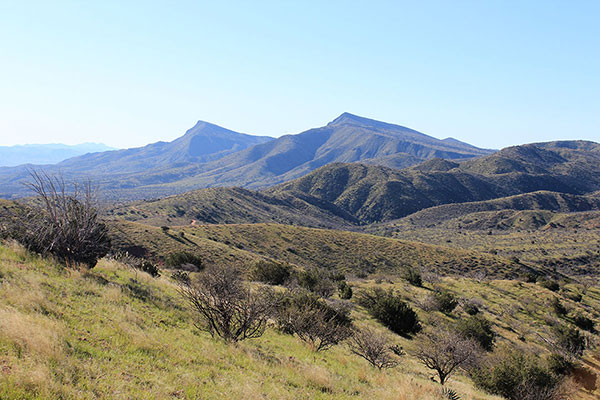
(45, 153)
(208, 155)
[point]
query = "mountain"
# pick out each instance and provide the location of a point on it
(111, 169)
(349, 194)
(11, 156)
(373, 193)
(348, 138)
(208, 155)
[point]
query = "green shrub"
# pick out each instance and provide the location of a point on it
(344, 290)
(569, 340)
(550, 284)
(445, 301)
(182, 259)
(471, 308)
(479, 329)
(414, 277)
(515, 376)
(559, 365)
(583, 322)
(271, 272)
(318, 280)
(559, 308)
(389, 309)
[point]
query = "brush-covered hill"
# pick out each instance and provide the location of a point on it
(234, 206)
(348, 252)
(373, 193)
(112, 332)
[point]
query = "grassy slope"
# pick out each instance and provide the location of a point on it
(102, 334)
(99, 334)
(569, 242)
(346, 251)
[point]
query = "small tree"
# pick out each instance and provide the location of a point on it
(271, 272)
(479, 329)
(224, 305)
(63, 221)
(444, 351)
(374, 347)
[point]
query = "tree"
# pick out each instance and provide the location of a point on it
(444, 351)
(63, 221)
(224, 305)
(374, 347)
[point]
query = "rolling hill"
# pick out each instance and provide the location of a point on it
(11, 156)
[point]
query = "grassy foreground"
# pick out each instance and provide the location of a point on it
(109, 334)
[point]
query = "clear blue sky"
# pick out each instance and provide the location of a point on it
(126, 73)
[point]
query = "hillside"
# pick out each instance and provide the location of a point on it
(112, 332)
(348, 252)
(233, 206)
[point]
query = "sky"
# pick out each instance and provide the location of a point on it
(127, 73)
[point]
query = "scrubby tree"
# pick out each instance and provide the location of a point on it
(62, 221)
(184, 260)
(271, 272)
(373, 346)
(444, 351)
(224, 305)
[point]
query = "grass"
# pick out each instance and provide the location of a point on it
(88, 335)
(349, 252)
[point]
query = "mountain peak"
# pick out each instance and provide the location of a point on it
(346, 117)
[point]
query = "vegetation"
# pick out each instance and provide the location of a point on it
(271, 272)
(479, 329)
(62, 221)
(392, 311)
(183, 260)
(374, 347)
(319, 324)
(224, 306)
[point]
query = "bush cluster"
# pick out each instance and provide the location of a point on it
(393, 312)
(271, 272)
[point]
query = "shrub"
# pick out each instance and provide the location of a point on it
(271, 272)
(414, 277)
(516, 376)
(389, 309)
(559, 365)
(224, 306)
(470, 308)
(558, 307)
(318, 281)
(183, 260)
(569, 341)
(374, 347)
(345, 290)
(444, 351)
(583, 322)
(62, 221)
(550, 284)
(444, 301)
(317, 323)
(479, 329)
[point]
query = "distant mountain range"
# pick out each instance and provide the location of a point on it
(40, 154)
(208, 155)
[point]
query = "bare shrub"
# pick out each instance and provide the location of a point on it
(319, 324)
(63, 221)
(374, 347)
(444, 351)
(224, 305)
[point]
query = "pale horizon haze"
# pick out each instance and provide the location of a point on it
(490, 73)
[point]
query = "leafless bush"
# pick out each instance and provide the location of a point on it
(374, 347)
(224, 305)
(63, 221)
(318, 323)
(445, 350)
